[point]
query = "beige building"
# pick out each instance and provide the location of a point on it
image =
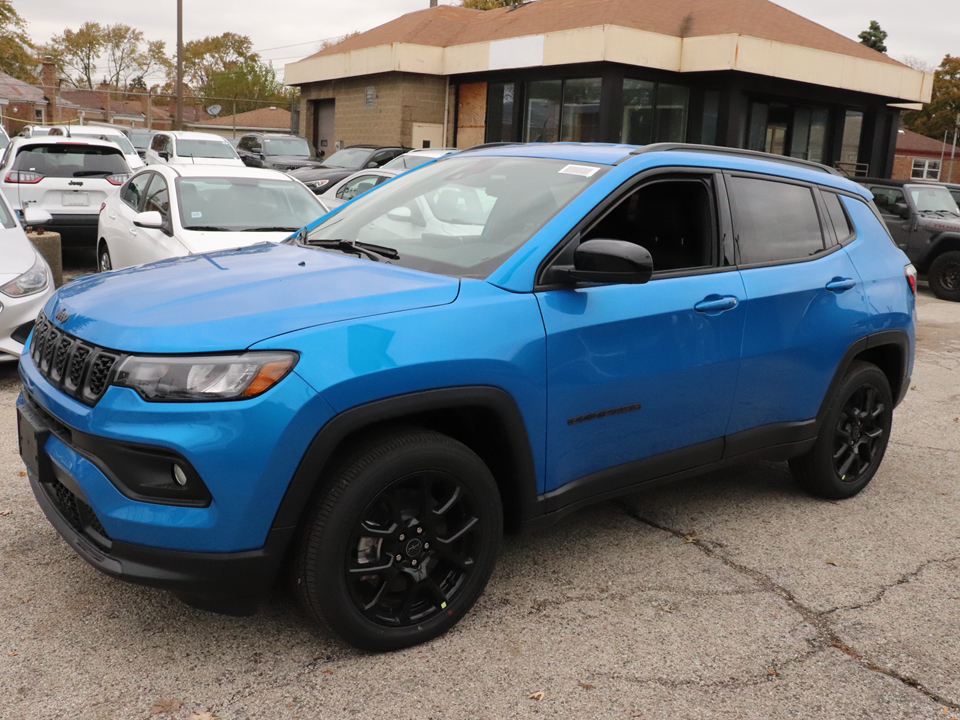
(740, 73)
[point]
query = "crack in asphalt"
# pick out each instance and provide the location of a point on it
(902, 580)
(923, 447)
(828, 637)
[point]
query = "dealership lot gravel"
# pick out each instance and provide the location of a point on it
(733, 595)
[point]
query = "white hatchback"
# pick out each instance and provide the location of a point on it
(25, 281)
(166, 211)
(67, 177)
(174, 147)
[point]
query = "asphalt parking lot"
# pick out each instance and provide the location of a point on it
(733, 595)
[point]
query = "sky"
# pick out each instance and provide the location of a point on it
(284, 31)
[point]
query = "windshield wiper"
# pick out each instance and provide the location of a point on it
(271, 229)
(352, 247)
(207, 228)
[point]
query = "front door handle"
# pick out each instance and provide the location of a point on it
(839, 284)
(133, 231)
(716, 304)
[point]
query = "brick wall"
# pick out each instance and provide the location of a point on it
(383, 115)
(903, 167)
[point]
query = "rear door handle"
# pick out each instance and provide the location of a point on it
(839, 284)
(716, 304)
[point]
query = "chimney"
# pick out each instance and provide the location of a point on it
(48, 78)
(433, 3)
(104, 92)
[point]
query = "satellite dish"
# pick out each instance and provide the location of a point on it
(214, 110)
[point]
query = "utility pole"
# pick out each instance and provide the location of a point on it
(179, 120)
(953, 153)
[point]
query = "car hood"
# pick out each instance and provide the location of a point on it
(187, 160)
(206, 242)
(230, 300)
(940, 221)
(318, 173)
(293, 161)
(16, 254)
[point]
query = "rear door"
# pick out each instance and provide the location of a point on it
(804, 304)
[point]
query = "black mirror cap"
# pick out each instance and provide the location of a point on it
(610, 261)
(901, 209)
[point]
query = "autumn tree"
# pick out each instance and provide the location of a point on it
(941, 114)
(252, 83)
(213, 55)
(16, 51)
(77, 52)
(874, 37)
(121, 46)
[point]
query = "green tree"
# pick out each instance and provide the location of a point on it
(874, 37)
(16, 51)
(77, 52)
(940, 114)
(252, 82)
(213, 55)
(490, 4)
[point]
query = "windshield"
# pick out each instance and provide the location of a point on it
(933, 199)
(236, 204)
(6, 219)
(63, 160)
(407, 161)
(141, 140)
(205, 149)
(464, 216)
(348, 158)
(296, 147)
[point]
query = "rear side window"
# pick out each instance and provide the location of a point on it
(71, 161)
(838, 216)
(774, 221)
(133, 191)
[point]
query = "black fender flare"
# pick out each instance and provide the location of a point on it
(944, 242)
(309, 474)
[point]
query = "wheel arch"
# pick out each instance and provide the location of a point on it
(888, 350)
(485, 419)
(945, 242)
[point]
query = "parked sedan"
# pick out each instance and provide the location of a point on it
(166, 211)
(343, 163)
(25, 280)
(356, 184)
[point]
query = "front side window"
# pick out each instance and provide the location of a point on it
(157, 143)
(158, 200)
(925, 169)
(461, 217)
(774, 221)
(672, 219)
(357, 186)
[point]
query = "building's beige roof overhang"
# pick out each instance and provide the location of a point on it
(629, 46)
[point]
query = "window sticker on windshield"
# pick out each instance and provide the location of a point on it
(196, 214)
(584, 170)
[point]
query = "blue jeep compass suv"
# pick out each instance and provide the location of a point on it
(488, 342)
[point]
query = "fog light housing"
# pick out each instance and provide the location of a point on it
(179, 476)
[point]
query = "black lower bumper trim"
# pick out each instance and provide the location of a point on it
(223, 582)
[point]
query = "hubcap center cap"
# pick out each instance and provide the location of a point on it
(414, 548)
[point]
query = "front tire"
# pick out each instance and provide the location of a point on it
(104, 262)
(853, 437)
(403, 541)
(944, 276)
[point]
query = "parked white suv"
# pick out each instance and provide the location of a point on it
(68, 177)
(101, 132)
(174, 147)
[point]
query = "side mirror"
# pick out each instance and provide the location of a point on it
(372, 164)
(901, 209)
(35, 217)
(401, 214)
(607, 261)
(149, 219)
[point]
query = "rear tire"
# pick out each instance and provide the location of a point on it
(104, 263)
(402, 542)
(853, 437)
(944, 276)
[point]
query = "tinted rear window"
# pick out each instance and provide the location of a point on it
(71, 161)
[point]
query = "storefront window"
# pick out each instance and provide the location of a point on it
(852, 125)
(542, 122)
(500, 112)
(672, 103)
(581, 110)
(711, 117)
(638, 117)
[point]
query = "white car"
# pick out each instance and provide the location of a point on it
(174, 147)
(166, 211)
(101, 132)
(25, 280)
(68, 177)
(357, 184)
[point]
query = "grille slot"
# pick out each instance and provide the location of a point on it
(80, 369)
(76, 512)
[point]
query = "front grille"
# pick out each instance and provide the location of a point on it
(79, 369)
(77, 513)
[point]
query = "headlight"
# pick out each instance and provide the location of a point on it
(211, 377)
(317, 183)
(32, 281)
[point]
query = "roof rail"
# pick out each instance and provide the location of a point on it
(738, 152)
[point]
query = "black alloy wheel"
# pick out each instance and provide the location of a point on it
(401, 540)
(944, 276)
(853, 436)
